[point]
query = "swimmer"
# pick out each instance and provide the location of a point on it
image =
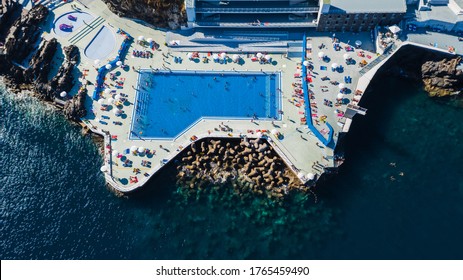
(392, 178)
(401, 173)
(393, 164)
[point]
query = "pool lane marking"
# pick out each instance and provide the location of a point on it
(86, 26)
(87, 31)
(89, 28)
(84, 29)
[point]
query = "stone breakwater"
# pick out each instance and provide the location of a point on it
(249, 166)
(22, 40)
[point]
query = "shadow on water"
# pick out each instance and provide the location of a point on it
(399, 179)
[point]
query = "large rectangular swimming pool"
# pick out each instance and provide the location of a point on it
(168, 103)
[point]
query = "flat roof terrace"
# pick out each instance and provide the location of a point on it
(168, 103)
(260, 7)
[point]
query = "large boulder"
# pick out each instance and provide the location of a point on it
(74, 109)
(442, 77)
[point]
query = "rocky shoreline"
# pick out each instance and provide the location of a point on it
(436, 70)
(249, 166)
(22, 39)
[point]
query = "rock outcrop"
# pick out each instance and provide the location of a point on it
(22, 42)
(9, 12)
(437, 70)
(250, 166)
(40, 66)
(74, 109)
(160, 13)
(441, 78)
(25, 32)
(64, 79)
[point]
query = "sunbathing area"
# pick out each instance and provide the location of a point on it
(150, 101)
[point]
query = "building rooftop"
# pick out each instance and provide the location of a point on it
(370, 6)
(439, 13)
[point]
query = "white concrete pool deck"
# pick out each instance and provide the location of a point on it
(298, 147)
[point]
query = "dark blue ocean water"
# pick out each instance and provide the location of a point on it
(53, 203)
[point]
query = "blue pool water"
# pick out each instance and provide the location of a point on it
(168, 103)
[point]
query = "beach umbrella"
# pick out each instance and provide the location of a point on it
(310, 176)
(133, 149)
(63, 94)
(101, 101)
(141, 150)
(104, 168)
(358, 43)
(149, 40)
(394, 29)
(115, 153)
(215, 56)
(341, 86)
(96, 62)
(340, 96)
(119, 63)
(223, 55)
(306, 63)
(346, 56)
(334, 65)
(259, 55)
(107, 91)
(275, 132)
(141, 38)
(321, 54)
(110, 100)
(235, 57)
(189, 55)
(259, 134)
(118, 97)
(300, 175)
(267, 57)
(108, 66)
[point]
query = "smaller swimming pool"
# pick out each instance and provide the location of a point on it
(82, 18)
(101, 45)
